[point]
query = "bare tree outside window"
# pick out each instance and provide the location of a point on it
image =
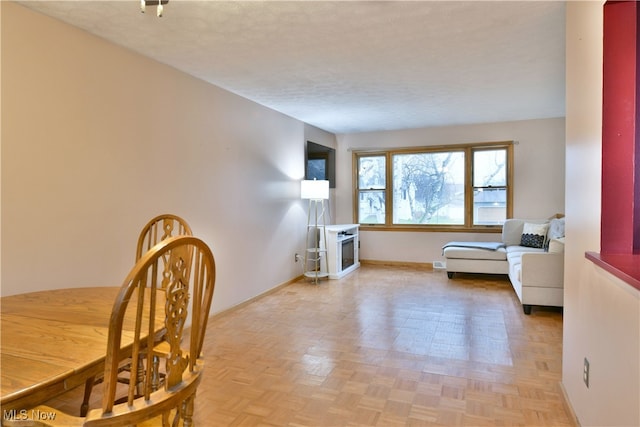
(428, 188)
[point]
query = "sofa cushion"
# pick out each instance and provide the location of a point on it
(534, 235)
(516, 249)
(512, 231)
(475, 253)
(556, 245)
(514, 256)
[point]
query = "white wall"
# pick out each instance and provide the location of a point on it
(97, 140)
(539, 158)
(601, 313)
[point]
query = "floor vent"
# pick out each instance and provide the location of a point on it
(439, 265)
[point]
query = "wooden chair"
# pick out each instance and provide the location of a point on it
(160, 228)
(156, 230)
(186, 297)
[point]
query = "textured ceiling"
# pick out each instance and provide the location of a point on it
(353, 66)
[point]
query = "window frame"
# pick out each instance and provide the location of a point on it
(468, 150)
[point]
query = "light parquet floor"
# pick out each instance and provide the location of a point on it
(384, 346)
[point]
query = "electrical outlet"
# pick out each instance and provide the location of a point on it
(585, 372)
(439, 265)
(297, 257)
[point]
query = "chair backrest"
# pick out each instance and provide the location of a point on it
(160, 228)
(144, 314)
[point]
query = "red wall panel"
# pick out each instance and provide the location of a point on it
(620, 222)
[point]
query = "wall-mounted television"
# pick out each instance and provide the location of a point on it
(320, 163)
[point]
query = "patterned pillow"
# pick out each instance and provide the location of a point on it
(534, 235)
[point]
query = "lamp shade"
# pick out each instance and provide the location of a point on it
(314, 189)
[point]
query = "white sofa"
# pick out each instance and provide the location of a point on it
(536, 273)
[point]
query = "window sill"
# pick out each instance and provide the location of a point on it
(433, 228)
(625, 267)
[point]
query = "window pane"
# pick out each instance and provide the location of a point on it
(489, 168)
(428, 188)
(489, 206)
(371, 173)
(371, 207)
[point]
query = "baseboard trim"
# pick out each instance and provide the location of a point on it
(421, 265)
(276, 288)
(567, 404)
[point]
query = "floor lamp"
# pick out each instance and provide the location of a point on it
(316, 263)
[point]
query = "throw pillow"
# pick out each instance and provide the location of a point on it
(534, 235)
(556, 228)
(556, 231)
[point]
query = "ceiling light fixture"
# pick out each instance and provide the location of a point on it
(159, 3)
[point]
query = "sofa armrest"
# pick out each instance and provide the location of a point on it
(544, 270)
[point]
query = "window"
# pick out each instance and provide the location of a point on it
(372, 189)
(489, 186)
(463, 187)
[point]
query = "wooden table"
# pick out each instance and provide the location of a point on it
(51, 342)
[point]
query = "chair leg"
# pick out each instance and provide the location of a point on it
(88, 388)
(140, 379)
(155, 380)
(187, 411)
